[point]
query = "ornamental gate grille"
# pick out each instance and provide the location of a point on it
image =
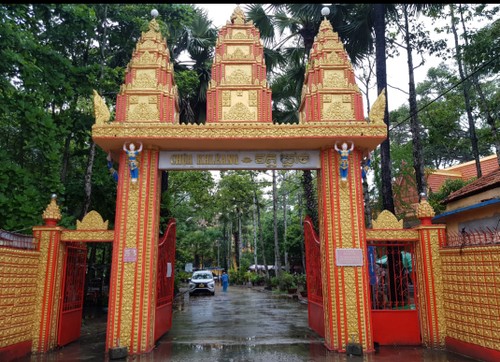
(165, 281)
(313, 274)
(70, 317)
(393, 289)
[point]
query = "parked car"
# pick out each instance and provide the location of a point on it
(202, 281)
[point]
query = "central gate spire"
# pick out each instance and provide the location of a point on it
(238, 90)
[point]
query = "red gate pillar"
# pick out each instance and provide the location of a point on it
(429, 282)
(134, 262)
(49, 279)
(346, 297)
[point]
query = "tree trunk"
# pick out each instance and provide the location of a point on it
(483, 103)
(88, 180)
(418, 158)
(466, 87)
(277, 261)
(254, 217)
(287, 262)
(385, 148)
(311, 201)
(366, 193)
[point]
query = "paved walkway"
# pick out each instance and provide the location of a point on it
(242, 325)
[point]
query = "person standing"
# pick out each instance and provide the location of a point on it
(225, 281)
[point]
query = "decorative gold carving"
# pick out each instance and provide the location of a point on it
(334, 58)
(238, 52)
(145, 79)
(238, 76)
(52, 211)
(143, 108)
(19, 270)
(226, 98)
(335, 79)
(240, 112)
(384, 235)
(101, 111)
(146, 58)
(425, 209)
(327, 98)
(87, 235)
(252, 98)
(387, 220)
(238, 16)
(239, 34)
(242, 130)
(325, 29)
(92, 221)
(377, 112)
(147, 44)
(338, 110)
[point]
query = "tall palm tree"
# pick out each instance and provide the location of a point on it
(299, 23)
(197, 41)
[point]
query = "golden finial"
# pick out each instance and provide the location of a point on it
(52, 213)
(424, 209)
(238, 16)
(101, 111)
(377, 112)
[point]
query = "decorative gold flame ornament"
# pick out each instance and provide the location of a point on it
(101, 111)
(52, 212)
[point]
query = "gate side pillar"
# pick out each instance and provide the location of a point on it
(346, 297)
(428, 270)
(131, 308)
(49, 280)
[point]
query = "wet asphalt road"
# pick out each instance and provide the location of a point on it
(239, 326)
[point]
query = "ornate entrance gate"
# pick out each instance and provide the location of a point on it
(165, 282)
(313, 273)
(332, 133)
(239, 131)
(70, 315)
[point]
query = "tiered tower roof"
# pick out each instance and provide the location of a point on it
(238, 90)
(239, 99)
(149, 93)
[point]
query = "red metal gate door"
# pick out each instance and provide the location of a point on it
(165, 281)
(395, 317)
(313, 279)
(70, 315)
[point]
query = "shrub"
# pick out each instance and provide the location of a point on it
(286, 281)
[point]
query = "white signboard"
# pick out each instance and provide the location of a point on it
(240, 160)
(169, 270)
(348, 257)
(130, 255)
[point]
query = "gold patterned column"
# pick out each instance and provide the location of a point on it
(49, 278)
(342, 232)
(428, 270)
(134, 264)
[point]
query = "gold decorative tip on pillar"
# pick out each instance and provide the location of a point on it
(52, 213)
(424, 209)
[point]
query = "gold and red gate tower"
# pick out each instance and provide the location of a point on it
(239, 118)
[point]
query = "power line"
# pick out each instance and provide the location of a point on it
(444, 93)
